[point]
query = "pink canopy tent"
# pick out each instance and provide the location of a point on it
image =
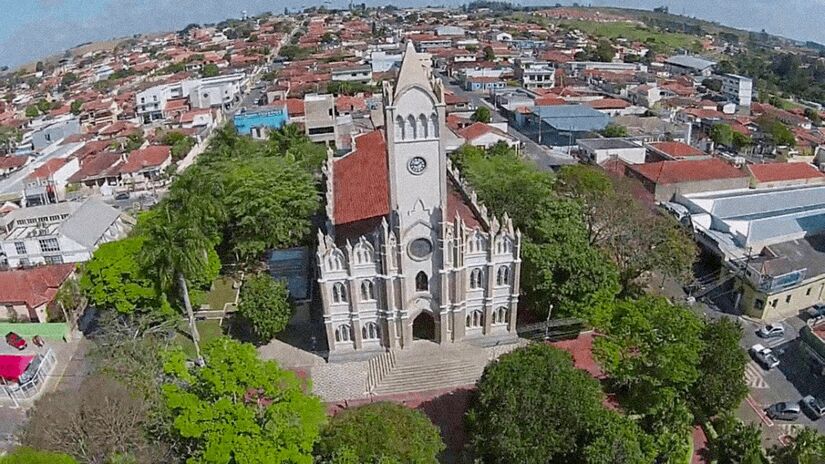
(13, 366)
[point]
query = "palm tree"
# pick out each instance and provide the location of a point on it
(175, 250)
(287, 136)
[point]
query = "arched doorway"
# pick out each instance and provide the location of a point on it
(424, 327)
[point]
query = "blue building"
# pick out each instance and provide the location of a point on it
(257, 122)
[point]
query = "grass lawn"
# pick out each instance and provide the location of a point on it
(208, 330)
(635, 32)
(221, 293)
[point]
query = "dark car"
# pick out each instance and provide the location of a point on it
(816, 311)
(785, 410)
(122, 196)
(814, 406)
(16, 341)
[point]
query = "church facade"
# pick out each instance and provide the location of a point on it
(408, 252)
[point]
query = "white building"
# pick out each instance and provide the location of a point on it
(738, 89)
(598, 151)
(536, 74)
(59, 233)
(408, 251)
(209, 92)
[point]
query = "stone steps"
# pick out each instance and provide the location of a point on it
(415, 372)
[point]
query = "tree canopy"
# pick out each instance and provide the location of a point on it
(721, 386)
(533, 406)
(241, 409)
(380, 432)
(481, 114)
(24, 455)
(264, 303)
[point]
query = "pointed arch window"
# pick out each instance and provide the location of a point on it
(335, 261)
(503, 276)
(476, 277)
(411, 132)
(423, 130)
(339, 293)
(475, 319)
(370, 331)
(363, 253)
(500, 316)
(422, 282)
(433, 125)
(367, 290)
(400, 130)
(343, 333)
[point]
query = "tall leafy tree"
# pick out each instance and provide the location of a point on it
(265, 305)
(380, 432)
(482, 114)
(270, 202)
(736, 442)
(113, 279)
(533, 406)
(241, 409)
(721, 385)
(806, 447)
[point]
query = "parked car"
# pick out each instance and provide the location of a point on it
(16, 341)
(764, 356)
(122, 196)
(815, 406)
(816, 311)
(771, 330)
(785, 410)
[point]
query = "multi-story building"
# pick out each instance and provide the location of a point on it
(535, 74)
(408, 252)
(358, 73)
(319, 117)
(209, 92)
(59, 233)
(738, 89)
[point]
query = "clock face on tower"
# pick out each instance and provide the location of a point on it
(417, 165)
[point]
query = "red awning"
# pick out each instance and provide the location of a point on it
(13, 366)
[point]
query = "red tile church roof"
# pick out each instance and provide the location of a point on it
(360, 180)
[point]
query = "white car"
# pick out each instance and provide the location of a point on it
(764, 356)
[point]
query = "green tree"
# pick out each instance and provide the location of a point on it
(32, 111)
(806, 447)
(813, 115)
(288, 136)
(380, 432)
(736, 442)
(616, 439)
(270, 201)
(651, 345)
(68, 79)
(481, 114)
(133, 141)
(721, 386)
(741, 141)
(604, 51)
(210, 70)
(533, 406)
(265, 305)
(44, 106)
(722, 134)
(241, 409)
(113, 279)
(24, 455)
(9, 138)
(614, 130)
(489, 53)
(76, 107)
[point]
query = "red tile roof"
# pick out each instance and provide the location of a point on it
(47, 169)
(773, 172)
(152, 156)
(457, 206)
(475, 131)
(360, 180)
(12, 162)
(33, 287)
(607, 104)
(97, 165)
(675, 172)
(295, 107)
(676, 149)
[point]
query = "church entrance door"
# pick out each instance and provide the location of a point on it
(424, 327)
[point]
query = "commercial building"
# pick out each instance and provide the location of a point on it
(688, 64)
(563, 125)
(666, 179)
(209, 92)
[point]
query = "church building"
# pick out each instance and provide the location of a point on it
(409, 253)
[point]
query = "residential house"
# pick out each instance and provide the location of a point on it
(600, 150)
(47, 183)
(769, 175)
(666, 179)
(28, 294)
(535, 74)
(145, 166)
(670, 150)
(484, 135)
(67, 232)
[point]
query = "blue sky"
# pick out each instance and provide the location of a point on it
(30, 29)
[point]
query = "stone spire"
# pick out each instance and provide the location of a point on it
(411, 73)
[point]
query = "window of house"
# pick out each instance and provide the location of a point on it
(773, 303)
(500, 315)
(759, 304)
(808, 292)
(343, 333)
(503, 276)
(49, 244)
(475, 319)
(53, 259)
(788, 299)
(476, 278)
(339, 293)
(422, 283)
(20, 247)
(24, 262)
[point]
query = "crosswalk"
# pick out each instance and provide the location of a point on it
(754, 377)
